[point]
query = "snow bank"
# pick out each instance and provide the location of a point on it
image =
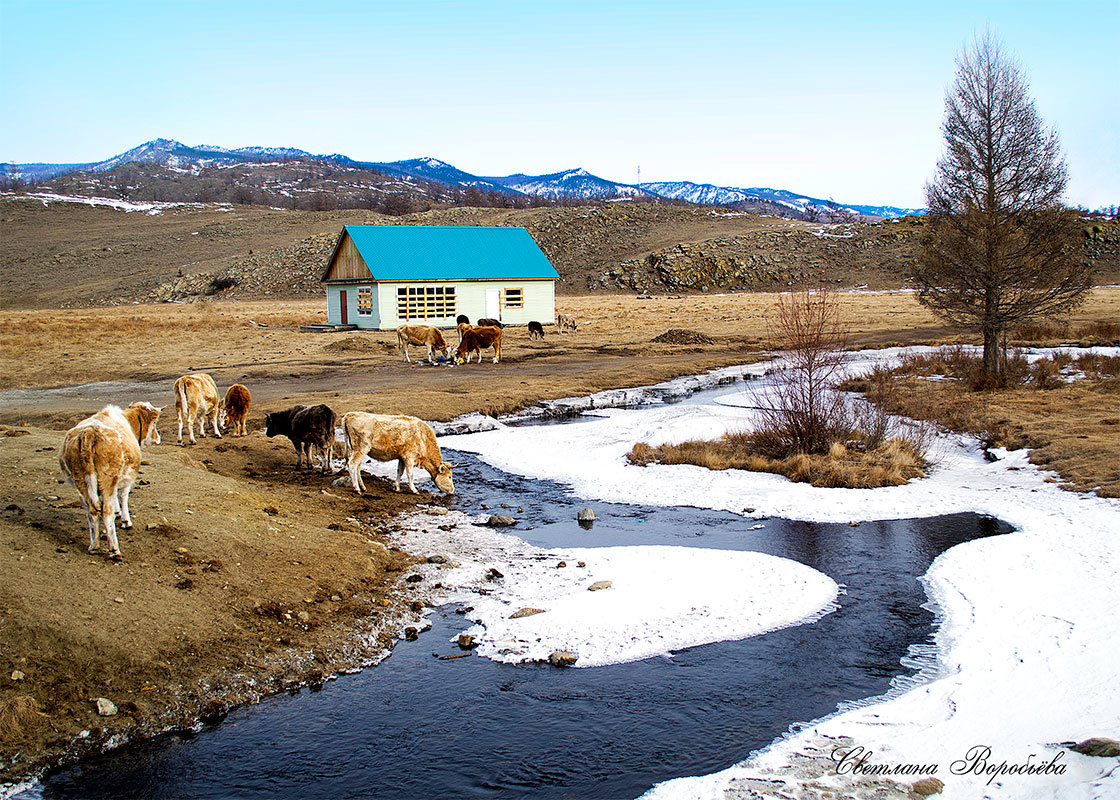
(716, 595)
(1028, 645)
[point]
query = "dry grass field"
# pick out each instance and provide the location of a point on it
(259, 553)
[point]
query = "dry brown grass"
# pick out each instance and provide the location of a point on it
(1071, 428)
(21, 719)
(893, 463)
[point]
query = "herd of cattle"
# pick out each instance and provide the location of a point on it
(100, 456)
(473, 339)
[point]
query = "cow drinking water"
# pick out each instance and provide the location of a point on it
(385, 437)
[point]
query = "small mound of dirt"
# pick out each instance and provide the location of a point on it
(682, 336)
(350, 344)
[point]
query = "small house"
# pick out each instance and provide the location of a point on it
(383, 276)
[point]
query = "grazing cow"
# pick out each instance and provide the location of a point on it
(234, 408)
(478, 338)
(536, 330)
(196, 394)
(490, 323)
(100, 457)
(566, 322)
(384, 437)
(306, 427)
(420, 335)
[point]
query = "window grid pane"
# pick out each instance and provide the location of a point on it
(425, 302)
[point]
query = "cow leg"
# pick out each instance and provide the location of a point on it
(404, 349)
(408, 468)
(299, 455)
(214, 423)
(180, 427)
(122, 503)
(328, 455)
(190, 427)
(400, 472)
(354, 465)
(109, 511)
(94, 532)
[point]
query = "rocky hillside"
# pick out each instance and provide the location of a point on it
(56, 253)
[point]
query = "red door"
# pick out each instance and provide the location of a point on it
(342, 306)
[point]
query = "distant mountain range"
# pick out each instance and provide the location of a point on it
(570, 185)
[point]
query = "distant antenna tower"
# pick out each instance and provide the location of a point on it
(639, 175)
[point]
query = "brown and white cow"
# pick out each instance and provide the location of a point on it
(476, 339)
(566, 322)
(422, 335)
(234, 408)
(307, 427)
(100, 457)
(196, 394)
(385, 437)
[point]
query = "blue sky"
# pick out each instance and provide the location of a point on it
(834, 99)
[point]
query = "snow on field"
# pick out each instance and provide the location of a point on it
(716, 595)
(151, 207)
(1028, 645)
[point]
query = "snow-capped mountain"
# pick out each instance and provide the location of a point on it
(573, 184)
(707, 194)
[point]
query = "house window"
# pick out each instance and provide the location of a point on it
(425, 302)
(513, 298)
(365, 301)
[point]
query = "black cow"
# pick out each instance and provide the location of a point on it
(459, 320)
(536, 330)
(489, 323)
(307, 427)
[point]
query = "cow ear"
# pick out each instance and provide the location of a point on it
(449, 466)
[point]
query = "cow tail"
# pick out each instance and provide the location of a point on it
(182, 410)
(85, 458)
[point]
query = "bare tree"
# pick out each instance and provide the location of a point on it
(802, 412)
(1000, 249)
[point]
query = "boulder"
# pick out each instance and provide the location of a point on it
(466, 641)
(562, 658)
(599, 585)
(926, 786)
(525, 612)
(500, 521)
(586, 515)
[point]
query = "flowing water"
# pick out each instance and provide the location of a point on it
(418, 727)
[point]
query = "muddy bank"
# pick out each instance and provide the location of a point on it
(241, 578)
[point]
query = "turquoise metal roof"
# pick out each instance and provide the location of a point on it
(449, 252)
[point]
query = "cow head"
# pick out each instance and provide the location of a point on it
(147, 415)
(271, 425)
(443, 478)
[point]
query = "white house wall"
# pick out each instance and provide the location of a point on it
(470, 299)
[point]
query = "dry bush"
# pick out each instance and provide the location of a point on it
(20, 719)
(1098, 366)
(1046, 374)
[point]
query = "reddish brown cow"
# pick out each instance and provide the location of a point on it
(475, 339)
(234, 408)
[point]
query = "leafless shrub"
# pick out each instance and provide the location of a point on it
(20, 718)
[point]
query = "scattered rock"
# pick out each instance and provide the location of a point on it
(525, 612)
(411, 634)
(438, 558)
(581, 564)
(599, 585)
(926, 786)
(466, 641)
(1098, 746)
(562, 658)
(414, 578)
(151, 526)
(586, 515)
(561, 565)
(304, 617)
(436, 511)
(494, 574)
(342, 480)
(500, 521)
(106, 707)
(17, 675)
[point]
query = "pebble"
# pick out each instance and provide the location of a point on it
(599, 585)
(586, 515)
(466, 641)
(437, 558)
(118, 599)
(106, 707)
(926, 786)
(500, 521)
(525, 612)
(17, 675)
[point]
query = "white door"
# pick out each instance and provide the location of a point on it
(492, 304)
